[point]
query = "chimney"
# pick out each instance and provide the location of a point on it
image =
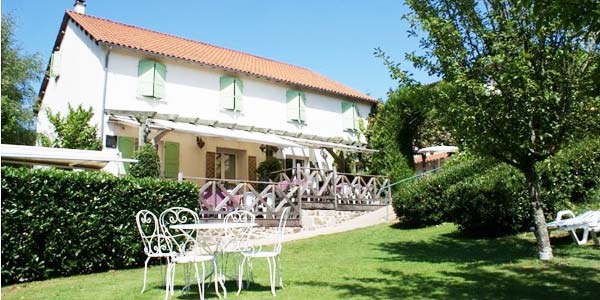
(79, 6)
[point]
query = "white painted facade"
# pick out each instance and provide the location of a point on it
(192, 91)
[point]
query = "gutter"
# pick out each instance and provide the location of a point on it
(102, 113)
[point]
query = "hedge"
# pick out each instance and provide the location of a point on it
(487, 198)
(60, 223)
(425, 202)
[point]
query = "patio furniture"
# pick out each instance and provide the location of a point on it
(190, 248)
(271, 256)
(589, 221)
(236, 239)
(156, 244)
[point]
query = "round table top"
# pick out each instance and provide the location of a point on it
(214, 225)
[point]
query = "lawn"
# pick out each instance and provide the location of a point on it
(380, 262)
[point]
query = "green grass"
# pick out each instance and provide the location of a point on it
(380, 262)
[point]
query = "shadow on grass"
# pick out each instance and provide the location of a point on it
(209, 289)
(503, 269)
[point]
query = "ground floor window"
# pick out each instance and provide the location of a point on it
(225, 165)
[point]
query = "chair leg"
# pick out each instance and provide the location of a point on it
(145, 273)
(172, 279)
(271, 275)
(280, 271)
(250, 273)
(240, 275)
(168, 281)
(200, 283)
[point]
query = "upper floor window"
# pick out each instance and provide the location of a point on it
(296, 106)
(152, 76)
(350, 116)
(232, 90)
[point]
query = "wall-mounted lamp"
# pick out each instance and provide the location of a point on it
(199, 142)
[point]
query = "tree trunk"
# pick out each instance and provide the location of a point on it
(541, 231)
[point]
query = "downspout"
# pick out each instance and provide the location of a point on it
(102, 113)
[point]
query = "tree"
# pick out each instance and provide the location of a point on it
(148, 164)
(18, 72)
(73, 131)
(520, 78)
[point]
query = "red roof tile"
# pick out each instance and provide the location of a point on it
(114, 33)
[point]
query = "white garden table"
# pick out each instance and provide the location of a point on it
(201, 228)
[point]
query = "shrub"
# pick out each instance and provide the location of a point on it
(265, 168)
(148, 164)
(426, 201)
(572, 173)
(60, 223)
(491, 203)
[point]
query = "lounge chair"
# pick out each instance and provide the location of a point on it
(589, 221)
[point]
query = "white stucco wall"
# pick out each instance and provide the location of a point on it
(80, 82)
(193, 91)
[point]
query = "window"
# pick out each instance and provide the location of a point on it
(152, 76)
(171, 160)
(232, 90)
(225, 166)
(296, 106)
(350, 116)
(291, 163)
(55, 62)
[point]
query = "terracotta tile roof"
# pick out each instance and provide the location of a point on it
(122, 35)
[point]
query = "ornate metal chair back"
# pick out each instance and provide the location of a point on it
(236, 239)
(184, 240)
(155, 243)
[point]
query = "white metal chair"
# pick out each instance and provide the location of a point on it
(235, 240)
(271, 256)
(190, 249)
(589, 221)
(156, 245)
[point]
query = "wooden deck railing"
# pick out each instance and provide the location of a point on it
(307, 188)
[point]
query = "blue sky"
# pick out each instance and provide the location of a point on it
(335, 38)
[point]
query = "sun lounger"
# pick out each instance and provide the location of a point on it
(589, 221)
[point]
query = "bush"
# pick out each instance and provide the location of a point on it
(426, 201)
(491, 203)
(148, 164)
(60, 223)
(265, 168)
(486, 198)
(572, 174)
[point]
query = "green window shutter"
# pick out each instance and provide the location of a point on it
(227, 90)
(347, 115)
(171, 159)
(126, 146)
(356, 115)
(293, 111)
(146, 78)
(238, 94)
(302, 107)
(160, 78)
(55, 62)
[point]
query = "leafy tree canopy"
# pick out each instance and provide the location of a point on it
(19, 71)
(520, 77)
(73, 131)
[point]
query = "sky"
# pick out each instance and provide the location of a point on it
(335, 38)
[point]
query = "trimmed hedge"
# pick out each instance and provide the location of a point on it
(573, 173)
(60, 223)
(492, 203)
(487, 198)
(426, 202)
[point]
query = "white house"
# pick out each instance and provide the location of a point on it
(213, 112)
